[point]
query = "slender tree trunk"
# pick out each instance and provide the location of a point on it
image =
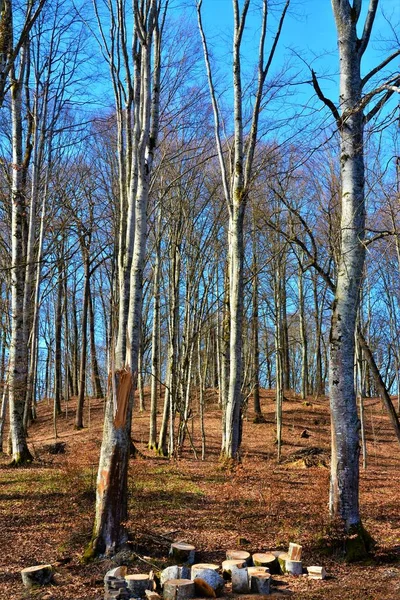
(82, 369)
(18, 350)
(96, 381)
(155, 346)
(57, 337)
(303, 338)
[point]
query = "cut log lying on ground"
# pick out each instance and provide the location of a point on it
(179, 589)
(174, 572)
(259, 582)
(138, 584)
(37, 575)
(294, 567)
(238, 555)
(294, 552)
(316, 572)
(209, 576)
(240, 580)
(182, 552)
(266, 559)
(228, 565)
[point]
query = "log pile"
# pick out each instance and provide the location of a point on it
(185, 580)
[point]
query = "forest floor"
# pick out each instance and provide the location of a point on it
(46, 510)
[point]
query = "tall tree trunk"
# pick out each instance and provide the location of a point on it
(109, 530)
(303, 337)
(18, 350)
(96, 381)
(344, 487)
(57, 338)
(155, 338)
(82, 369)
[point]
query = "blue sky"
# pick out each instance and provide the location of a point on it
(309, 31)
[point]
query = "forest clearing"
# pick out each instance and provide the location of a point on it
(199, 201)
(46, 510)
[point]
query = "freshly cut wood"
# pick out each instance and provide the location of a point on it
(266, 559)
(240, 580)
(210, 576)
(294, 552)
(260, 582)
(138, 584)
(282, 557)
(294, 567)
(199, 566)
(37, 575)
(238, 555)
(117, 572)
(179, 589)
(316, 572)
(174, 572)
(183, 552)
(227, 566)
(152, 595)
(203, 589)
(254, 570)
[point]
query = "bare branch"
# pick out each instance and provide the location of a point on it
(215, 107)
(369, 21)
(382, 65)
(325, 100)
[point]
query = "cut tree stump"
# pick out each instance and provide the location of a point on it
(282, 557)
(267, 559)
(316, 572)
(238, 555)
(228, 565)
(179, 589)
(260, 582)
(37, 575)
(138, 584)
(240, 580)
(252, 570)
(174, 572)
(209, 576)
(182, 552)
(199, 566)
(294, 552)
(294, 567)
(117, 572)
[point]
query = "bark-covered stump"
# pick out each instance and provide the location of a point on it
(37, 575)
(208, 574)
(182, 552)
(282, 557)
(138, 584)
(239, 555)
(266, 559)
(252, 570)
(179, 589)
(260, 582)
(240, 580)
(174, 572)
(294, 567)
(228, 565)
